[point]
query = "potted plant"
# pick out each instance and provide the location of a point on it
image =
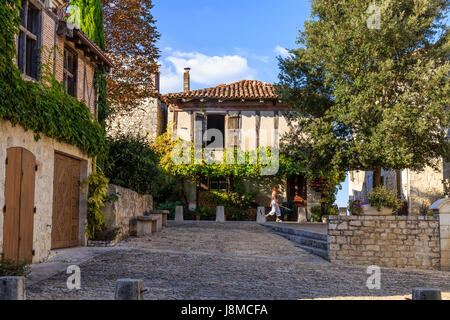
(356, 207)
(382, 201)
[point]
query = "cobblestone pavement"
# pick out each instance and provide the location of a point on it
(235, 260)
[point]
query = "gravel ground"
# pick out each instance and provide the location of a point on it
(234, 260)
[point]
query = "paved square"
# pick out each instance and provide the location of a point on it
(232, 260)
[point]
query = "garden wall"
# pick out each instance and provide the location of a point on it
(122, 213)
(385, 241)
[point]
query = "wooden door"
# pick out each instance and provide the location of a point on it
(66, 196)
(19, 205)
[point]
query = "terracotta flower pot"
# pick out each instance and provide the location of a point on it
(368, 210)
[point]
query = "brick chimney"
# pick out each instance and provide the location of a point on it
(156, 79)
(187, 80)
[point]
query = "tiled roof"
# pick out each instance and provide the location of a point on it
(244, 89)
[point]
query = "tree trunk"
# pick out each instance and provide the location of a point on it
(377, 177)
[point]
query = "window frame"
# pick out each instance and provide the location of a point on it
(68, 51)
(29, 40)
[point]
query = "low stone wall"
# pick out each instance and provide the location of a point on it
(122, 212)
(385, 241)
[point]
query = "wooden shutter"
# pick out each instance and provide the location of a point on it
(19, 205)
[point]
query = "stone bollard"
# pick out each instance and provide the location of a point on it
(220, 214)
(128, 289)
(426, 294)
(179, 213)
(12, 288)
(301, 215)
(261, 215)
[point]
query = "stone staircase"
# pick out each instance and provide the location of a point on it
(312, 242)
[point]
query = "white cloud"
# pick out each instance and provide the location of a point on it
(283, 52)
(205, 70)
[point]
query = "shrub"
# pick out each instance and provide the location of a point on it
(171, 205)
(355, 207)
(131, 163)
(9, 268)
(384, 197)
(97, 197)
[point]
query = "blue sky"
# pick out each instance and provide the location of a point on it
(227, 41)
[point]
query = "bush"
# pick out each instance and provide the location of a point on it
(9, 268)
(384, 197)
(171, 206)
(131, 163)
(97, 197)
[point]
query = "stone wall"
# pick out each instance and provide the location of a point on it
(385, 241)
(149, 118)
(122, 212)
(44, 151)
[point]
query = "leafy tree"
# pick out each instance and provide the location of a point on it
(367, 95)
(131, 36)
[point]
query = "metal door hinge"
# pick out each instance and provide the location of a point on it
(34, 209)
(32, 252)
(6, 161)
(36, 167)
(4, 208)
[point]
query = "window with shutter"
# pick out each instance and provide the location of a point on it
(28, 42)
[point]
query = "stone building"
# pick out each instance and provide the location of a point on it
(44, 207)
(418, 190)
(247, 115)
(149, 118)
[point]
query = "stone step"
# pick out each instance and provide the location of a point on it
(316, 251)
(298, 232)
(305, 241)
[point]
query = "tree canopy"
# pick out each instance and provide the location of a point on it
(368, 86)
(131, 36)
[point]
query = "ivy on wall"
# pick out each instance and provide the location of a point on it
(43, 108)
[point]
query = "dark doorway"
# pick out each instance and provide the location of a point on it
(297, 192)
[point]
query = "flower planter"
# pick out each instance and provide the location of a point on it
(368, 210)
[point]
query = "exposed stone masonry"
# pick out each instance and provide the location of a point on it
(385, 241)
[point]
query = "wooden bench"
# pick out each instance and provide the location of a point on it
(146, 226)
(161, 215)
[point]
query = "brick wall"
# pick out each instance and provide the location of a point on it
(385, 241)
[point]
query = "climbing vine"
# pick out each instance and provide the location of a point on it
(44, 107)
(97, 184)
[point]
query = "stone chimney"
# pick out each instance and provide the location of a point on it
(156, 79)
(187, 80)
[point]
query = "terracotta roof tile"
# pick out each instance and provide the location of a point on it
(244, 89)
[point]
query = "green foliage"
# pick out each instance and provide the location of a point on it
(368, 98)
(171, 206)
(131, 163)
(97, 197)
(384, 197)
(231, 199)
(41, 107)
(316, 210)
(9, 268)
(254, 161)
(91, 15)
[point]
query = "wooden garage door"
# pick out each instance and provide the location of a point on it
(66, 196)
(19, 205)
